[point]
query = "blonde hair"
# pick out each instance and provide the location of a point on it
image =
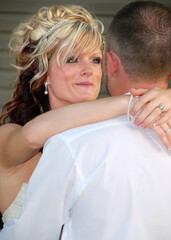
(58, 29)
(77, 25)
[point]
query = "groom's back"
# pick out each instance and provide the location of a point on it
(127, 184)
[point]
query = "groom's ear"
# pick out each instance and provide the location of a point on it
(112, 64)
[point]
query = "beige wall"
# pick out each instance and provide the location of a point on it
(12, 12)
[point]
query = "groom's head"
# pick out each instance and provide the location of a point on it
(138, 47)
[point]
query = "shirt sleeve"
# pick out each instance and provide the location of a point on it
(64, 176)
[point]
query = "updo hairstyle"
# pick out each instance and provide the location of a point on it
(32, 44)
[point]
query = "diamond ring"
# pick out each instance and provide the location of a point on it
(162, 108)
(168, 130)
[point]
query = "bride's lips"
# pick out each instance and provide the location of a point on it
(85, 84)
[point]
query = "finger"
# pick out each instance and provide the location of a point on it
(162, 135)
(167, 129)
(154, 97)
(144, 121)
(152, 114)
(138, 91)
(148, 113)
(154, 108)
(148, 98)
(164, 117)
(168, 132)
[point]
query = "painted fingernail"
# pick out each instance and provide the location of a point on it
(169, 147)
(132, 114)
(155, 124)
(136, 124)
(142, 125)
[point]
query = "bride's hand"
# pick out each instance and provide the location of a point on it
(154, 106)
(151, 115)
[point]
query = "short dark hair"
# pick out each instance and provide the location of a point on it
(140, 34)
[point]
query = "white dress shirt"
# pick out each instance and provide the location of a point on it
(104, 181)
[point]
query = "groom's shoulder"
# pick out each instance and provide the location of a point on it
(93, 130)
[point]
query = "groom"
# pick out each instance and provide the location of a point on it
(110, 180)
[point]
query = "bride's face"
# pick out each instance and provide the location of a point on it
(76, 80)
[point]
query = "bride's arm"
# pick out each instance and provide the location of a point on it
(73, 115)
(18, 144)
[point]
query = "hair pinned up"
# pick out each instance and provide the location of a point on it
(33, 43)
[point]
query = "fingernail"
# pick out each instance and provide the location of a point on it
(136, 124)
(155, 124)
(132, 114)
(142, 125)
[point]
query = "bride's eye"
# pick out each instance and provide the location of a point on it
(97, 60)
(71, 60)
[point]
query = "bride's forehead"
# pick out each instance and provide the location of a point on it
(78, 50)
(88, 49)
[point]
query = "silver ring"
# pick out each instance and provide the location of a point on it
(168, 130)
(162, 108)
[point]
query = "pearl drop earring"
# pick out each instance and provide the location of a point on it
(46, 90)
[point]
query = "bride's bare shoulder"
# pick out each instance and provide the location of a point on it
(9, 126)
(7, 129)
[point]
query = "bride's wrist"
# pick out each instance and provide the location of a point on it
(125, 102)
(131, 103)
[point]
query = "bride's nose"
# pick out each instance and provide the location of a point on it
(86, 69)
